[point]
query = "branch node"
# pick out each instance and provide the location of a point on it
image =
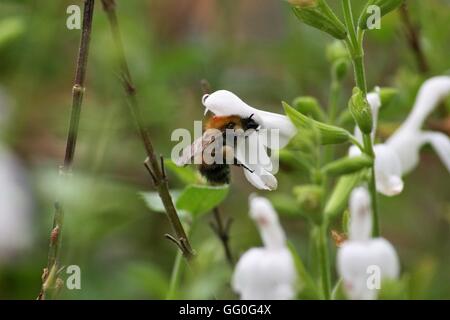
(177, 243)
(150, 172)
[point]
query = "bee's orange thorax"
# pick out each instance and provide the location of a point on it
(220, 122)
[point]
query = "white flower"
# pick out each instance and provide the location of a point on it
(274, 132)
(400, 153)
(388, 169)
(251, 152)
(410, 137)
(266, 273)
(226, 103)
(358, 255)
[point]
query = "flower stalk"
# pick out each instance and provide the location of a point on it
(355, 46)
(155, 166)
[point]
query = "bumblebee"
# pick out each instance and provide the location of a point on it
(218, 127)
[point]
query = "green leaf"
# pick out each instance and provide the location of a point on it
(385, 6)
(306, 282)
(347, 165)
(309, 106)
(338, 200)
(199, 199)
(321, 17)
(154, 202)
(328, 134)
(187, 175)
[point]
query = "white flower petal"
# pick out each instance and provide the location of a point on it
(441, 144)
(388, 170)
(255, 172)
(261, 179)
(262, 274)
(408, 139)
(225, 103)
(266, 218)
(261, 207)
(354, 259)
(275, 121)
(430, 94)
(387, 258)
(268, 272)
(257, 151)
(360, 215)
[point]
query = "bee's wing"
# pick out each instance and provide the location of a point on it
(196, 148)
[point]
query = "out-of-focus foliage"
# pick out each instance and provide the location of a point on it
(255, 48)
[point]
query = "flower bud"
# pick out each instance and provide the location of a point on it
(328, 134)
(309, 106)
(360, 110)
(387, 95)
(385, 6)
(336, 51)
(317, 14)
(340, 68)
(309, 198)
(347, 165)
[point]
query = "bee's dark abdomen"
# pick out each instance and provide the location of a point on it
(216, 173)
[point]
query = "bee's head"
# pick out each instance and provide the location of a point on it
(250, 123)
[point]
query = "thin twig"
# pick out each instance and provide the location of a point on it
(222, 230)
(50, 273)
(413, 36)
(152, 163)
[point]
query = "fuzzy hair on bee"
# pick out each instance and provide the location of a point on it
(216, 139)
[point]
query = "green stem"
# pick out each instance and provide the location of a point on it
(175, 278)
(355, 46)
(324, 261)
(349, 22)
(360, 74)
(368, 147)
(373, 194)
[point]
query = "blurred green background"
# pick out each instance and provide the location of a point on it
(255, 48)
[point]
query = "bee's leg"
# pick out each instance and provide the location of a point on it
(244, 166)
